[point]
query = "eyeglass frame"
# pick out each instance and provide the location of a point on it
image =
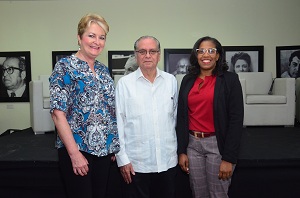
(3, 70)
(213, 51)
(143, 52)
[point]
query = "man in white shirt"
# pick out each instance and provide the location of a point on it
(146, 106)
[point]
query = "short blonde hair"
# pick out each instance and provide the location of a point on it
(86, 21)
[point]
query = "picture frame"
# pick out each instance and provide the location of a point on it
(17, 82)
(117, 61)
(57, 55)
(244, 58)
(287, 61)
(176, 61)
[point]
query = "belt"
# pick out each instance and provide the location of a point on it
(200, 134)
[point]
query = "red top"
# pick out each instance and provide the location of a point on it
(200, 103)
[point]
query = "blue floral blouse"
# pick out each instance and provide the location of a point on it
(89, 103)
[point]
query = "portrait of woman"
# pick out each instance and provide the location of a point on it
(244, 58)
(241, 62)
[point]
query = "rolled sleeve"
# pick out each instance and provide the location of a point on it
(59, 90)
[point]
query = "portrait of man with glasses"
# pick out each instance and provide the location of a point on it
(13, 77)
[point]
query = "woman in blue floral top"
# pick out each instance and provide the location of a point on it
(83, 110)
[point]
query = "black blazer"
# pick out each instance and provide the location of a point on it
(228, 109)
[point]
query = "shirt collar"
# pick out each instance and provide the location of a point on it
(139, 73)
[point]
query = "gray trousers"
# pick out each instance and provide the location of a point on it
(204, 164)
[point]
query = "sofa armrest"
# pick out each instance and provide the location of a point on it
(36, 96)
(284, 87)
(297, 89)
(243, 84)
(40, 117)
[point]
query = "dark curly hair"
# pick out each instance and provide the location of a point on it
(221, 64)
(295, 53)
(241, 56)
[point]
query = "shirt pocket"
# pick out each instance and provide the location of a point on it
(169, 104)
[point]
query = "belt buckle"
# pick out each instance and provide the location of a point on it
(199, 134)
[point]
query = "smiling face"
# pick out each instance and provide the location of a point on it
(207, 61)
(92, 41)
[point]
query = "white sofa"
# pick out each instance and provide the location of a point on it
(262, 108)
(39, 94)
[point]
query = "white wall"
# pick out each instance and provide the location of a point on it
(45, 26)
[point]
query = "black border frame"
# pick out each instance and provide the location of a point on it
(57, 55)
(279, 64)
(259, 49)
(26, 55)
(167, 59)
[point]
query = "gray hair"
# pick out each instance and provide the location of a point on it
(145, 37)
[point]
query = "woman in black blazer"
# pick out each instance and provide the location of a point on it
(209, 120)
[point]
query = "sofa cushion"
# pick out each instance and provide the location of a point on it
(265, 99)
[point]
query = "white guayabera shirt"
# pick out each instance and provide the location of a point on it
(146, 118)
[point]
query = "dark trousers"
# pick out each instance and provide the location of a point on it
(146, 185)
(92, 185)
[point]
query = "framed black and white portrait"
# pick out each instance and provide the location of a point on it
(244, 58)
(57, 55)
(15, 73)
(117, 61)
(287, 61)
(177, 61)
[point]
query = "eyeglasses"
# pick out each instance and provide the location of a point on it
(10, 70)
(144, 52)
(210, 51)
